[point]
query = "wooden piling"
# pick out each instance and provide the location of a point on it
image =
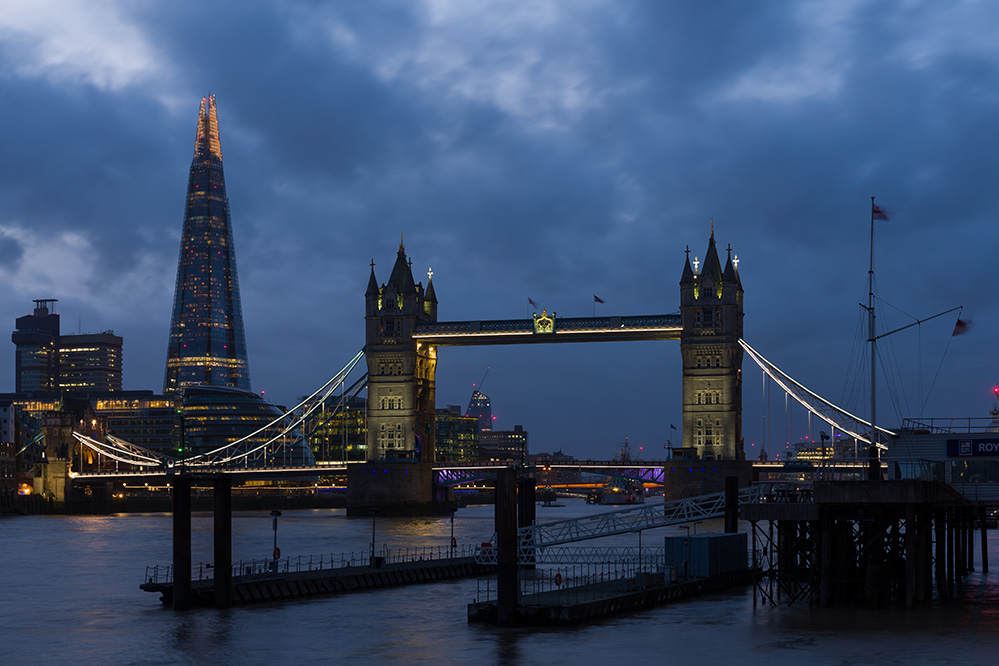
(181, 543)
(940, 523)
(731, 504)
(223, 541)
(911, 559)
(507, 570)
(982, 517)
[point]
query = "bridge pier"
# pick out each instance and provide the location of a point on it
(223, 541)
(181, 543)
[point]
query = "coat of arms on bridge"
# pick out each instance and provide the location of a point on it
(544, 323)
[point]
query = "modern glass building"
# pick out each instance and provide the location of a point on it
(215, 416)
(36, 339)
(339, 437)
(50, 363)
(457, 436)
(206, 345)
(480, 408)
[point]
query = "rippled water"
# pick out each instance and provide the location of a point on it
(69, 595)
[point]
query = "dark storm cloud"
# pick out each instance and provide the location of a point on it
(542, 150)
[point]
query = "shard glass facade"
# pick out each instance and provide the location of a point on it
(206, 345)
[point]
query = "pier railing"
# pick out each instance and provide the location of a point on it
(322, 562)
(575, 583)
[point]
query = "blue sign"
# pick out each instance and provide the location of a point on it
(972, 448)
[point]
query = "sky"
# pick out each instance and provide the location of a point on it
(552, 150)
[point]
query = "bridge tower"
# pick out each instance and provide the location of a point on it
(401, 371)
(711, 311)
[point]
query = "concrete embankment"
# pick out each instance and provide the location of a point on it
(265, 587)
(590, 602)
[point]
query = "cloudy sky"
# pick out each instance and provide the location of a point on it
(550, 150)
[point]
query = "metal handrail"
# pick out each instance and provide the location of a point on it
(206, 571)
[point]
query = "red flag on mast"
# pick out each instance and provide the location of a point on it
(597, 299)
(877, 212)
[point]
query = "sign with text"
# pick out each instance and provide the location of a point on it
(972, 447)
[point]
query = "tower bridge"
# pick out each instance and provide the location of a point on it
(403, 336)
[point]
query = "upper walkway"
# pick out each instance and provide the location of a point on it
(562, 329)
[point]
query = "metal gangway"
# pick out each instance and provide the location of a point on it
(534, 538)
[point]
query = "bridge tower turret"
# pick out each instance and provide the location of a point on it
(711, 311)
(401, 371)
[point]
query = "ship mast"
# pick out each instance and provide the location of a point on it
(873, 459)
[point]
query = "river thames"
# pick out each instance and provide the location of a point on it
(69, 595)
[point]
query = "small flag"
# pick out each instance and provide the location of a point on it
(597, 299)
(961, 327)
(672, 427)
(878, 213)
(533, 304)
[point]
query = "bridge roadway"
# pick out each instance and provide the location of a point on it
(457, 473)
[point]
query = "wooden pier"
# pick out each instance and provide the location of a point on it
(265, 586)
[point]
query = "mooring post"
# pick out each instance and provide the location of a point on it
(911, 557)
(825, 557)
(969, 514)
(507, 583)
(181, 543)
(960, 545)
(924, 548)
(985, 533)
(223, 541)
(731, 504)
(526, 508)
(951, 573)
(940, 523)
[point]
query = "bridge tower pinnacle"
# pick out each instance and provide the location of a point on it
(401, 370)
(711, 312)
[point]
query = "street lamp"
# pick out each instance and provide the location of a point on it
(686, 562)
(277, 551)
(454, 508)
(374, 515)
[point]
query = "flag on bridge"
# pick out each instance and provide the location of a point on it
(597, 299)
(531, 301)
(961, 327)
(877, 212)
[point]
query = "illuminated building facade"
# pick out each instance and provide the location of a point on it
(215, 416)
(36, 339)
(711, 311)
(90, 363)
(207, 344)
(141, 418)
(401, 370)
(457, 436)
(503, 445)
(341, 437)
(47, 362)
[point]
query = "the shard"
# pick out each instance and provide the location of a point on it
(207, 345)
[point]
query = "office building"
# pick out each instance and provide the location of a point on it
(457, 436)
(49, 363)
(503, 445)
(206, 344)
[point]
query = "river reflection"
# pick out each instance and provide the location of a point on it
(69, 594)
